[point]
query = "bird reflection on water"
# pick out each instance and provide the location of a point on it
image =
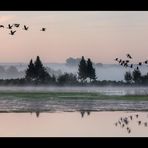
(125, 122)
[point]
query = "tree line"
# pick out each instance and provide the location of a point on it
(135, 77)
(37, 74)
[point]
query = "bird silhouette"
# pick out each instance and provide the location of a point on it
(137, 115)
(122, 125)
(125, 65)
(119, 122)
(25, 27)
(145, 62)
(120, 61)
(16, 25)
(137, 68)
(43, 29)
(125, 121)
(116, 59)
(12, 32)
(123, 62)
(131, 117)
(131, 66)
(139, 122)
(129, 56)
(145, 123)
(129, 131)
(1, 26)
(9, 26)
(140, 63)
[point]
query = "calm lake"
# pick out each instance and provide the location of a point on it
(50, 117)
(73, 124)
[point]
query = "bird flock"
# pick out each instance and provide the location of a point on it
(13, 27)
(127, 62)
(124, 122)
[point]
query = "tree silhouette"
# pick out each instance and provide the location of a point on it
(67, 78)
(37, 72)
(144, 79)
(82, 70)
(128, 77)
(30, 72)
(136, 76)
(41, 75)
(91, 74)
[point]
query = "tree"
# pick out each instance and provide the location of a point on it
(82, 70)
(30, 72)
(41, 75)
(67, 78)
(136, 76)
(144, 79)
(91, 74)
(72, 61)
(37, 72)
(128, 77)
(39, 69)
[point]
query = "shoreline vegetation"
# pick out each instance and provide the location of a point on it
(37, 75)
(44, 96)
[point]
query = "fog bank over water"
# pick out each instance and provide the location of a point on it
(105, 72)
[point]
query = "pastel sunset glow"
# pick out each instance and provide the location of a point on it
(100, 35)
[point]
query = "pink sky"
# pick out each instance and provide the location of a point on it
(100, 35)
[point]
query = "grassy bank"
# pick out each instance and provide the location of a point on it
(68, 95)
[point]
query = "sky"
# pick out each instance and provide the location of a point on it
(99, 35)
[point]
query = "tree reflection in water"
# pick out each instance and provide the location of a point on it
(37, 114)
(83, 113)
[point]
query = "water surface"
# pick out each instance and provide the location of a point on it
(71, 124)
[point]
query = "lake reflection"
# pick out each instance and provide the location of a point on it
(73, 124)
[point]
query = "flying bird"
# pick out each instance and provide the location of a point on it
(123, 62)
(9, 26)
(129, 56)
(145, 124)
(1, 26)
(43, 29)
(127, 61)
(16, 25)
(140, 63)
(120, 61)
(12, 32)
(129, 131)
(125, 65)
(25, 27)
(137, 68)
(139, 122)
(131, 117)
(131, 66)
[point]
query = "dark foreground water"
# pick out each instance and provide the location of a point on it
(52, 105)
(73, 124)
